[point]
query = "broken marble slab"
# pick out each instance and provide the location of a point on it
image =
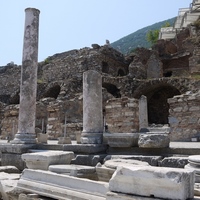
(158, 182)
(105, 171)
(153, 140)
(62, 187)
(42, 160)
(152, 160)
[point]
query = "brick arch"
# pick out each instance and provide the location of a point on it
(181, 84)
(157, 92)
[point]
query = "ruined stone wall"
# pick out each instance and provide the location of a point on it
(9, 82)
(122, 115)
(9, 124)
(72, 64)
(57, 111)
(184, 118)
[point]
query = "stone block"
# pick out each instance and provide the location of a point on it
(42, 160)
(64, 140)
(166, 183)
(121, 139)
(154, 140)
(42, 138)
(12, 159)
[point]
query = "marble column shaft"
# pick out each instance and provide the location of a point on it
(92, 108)
(28, 86)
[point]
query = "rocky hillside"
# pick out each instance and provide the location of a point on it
(138, 38)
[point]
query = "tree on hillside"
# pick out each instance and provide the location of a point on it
(152, 35)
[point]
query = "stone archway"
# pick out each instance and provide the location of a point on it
(158, 107)
(157, 92)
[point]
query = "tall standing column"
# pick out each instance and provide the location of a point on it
(143, 113)
(26, 127)
(92, 108)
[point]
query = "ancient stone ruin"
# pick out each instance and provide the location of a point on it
(102, 125)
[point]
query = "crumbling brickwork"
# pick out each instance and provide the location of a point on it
(122, 115)
(184, 118)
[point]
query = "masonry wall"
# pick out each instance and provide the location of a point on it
(57, 111)
(184, 117)
(9, 124)
(122, 115)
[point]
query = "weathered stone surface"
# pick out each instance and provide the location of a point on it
(92, 108)
(121, 139)
(26, 126)
(194, 159)
(42, 160)
(113, 164)
(13, 159)
(59, 186)
(104, 173)
(153, 140)
(175, 162)
(152, 160)
(154, 181)
(6, 187)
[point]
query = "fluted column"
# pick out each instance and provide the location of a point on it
(92, 108)
(26, 127)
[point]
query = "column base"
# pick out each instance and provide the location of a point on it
(24, 138)
(91, 138)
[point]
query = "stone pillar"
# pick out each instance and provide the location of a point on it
(26, 125)
(143, 113)
(92, 108)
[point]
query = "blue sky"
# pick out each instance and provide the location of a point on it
(75, 24)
